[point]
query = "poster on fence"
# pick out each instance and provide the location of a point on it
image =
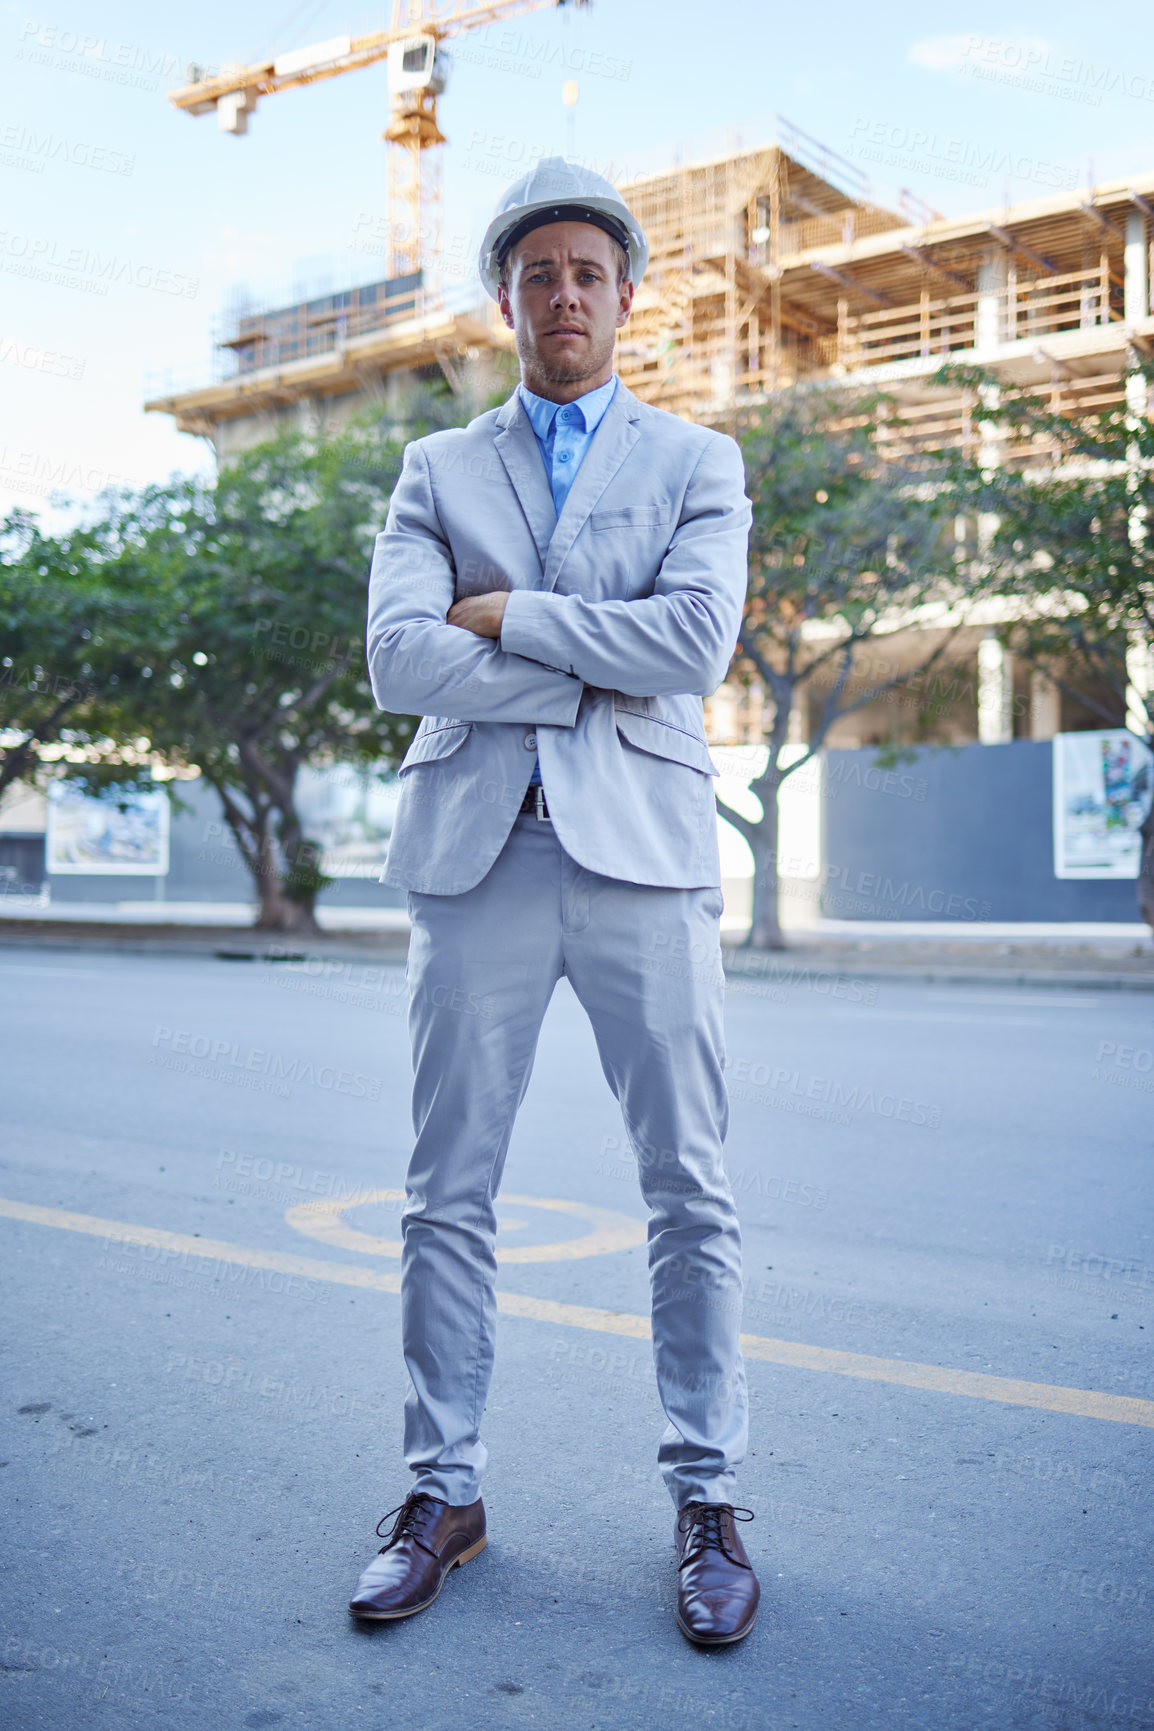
(125, 836)
(1103, 782)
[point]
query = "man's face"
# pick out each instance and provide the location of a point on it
(565, 306)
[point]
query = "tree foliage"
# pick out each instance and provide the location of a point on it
(231, 617)
(846, 541)
(68, 641)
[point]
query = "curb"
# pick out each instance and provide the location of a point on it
(927, 973)
(221, 943)
(775, 967)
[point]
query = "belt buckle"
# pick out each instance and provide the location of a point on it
(539, 804)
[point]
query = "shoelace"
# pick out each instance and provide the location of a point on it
(408, 1517)
(706, 1518)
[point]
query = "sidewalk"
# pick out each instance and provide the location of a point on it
(224, 929)
(1089, 956)
(1100, 957)
(32, 910)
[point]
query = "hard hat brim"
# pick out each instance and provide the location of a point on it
(501, 233)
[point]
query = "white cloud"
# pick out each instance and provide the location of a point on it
(937, 53)
(952, 53)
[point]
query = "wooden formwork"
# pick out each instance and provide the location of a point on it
(709, 325)
(776, 266)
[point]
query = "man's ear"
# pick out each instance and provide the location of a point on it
(625, 302)
(505, 305)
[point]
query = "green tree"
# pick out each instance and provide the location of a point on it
(253, 587)
(68, 640)
(847, 538)
(1071, 537)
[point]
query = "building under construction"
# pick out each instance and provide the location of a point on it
(773, 267)
(769, 267)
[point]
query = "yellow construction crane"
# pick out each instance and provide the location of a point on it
(418, 67)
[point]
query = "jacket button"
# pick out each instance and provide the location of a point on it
(530, 742)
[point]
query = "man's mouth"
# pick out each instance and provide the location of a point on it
(565, 331)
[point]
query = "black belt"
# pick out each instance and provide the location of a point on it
(534, 801)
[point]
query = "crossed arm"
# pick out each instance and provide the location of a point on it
(526, 655)
(419, 663)
(481, 614)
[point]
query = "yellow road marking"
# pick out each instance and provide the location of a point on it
(214, 1249)
(1082, 1402)
(1079, 1402)
(611, 1231)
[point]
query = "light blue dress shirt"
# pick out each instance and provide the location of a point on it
(564, 433)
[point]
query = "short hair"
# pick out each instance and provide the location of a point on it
(619, 253)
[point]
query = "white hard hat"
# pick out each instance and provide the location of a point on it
(558, 191)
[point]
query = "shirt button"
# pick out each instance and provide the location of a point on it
(530, 742)
(562, 456)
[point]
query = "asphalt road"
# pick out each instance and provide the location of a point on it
(202, 1395)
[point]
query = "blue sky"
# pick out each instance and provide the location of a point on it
(140, 223)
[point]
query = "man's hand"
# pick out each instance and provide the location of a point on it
(480, 613)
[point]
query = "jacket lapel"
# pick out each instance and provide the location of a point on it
(518, 450)
(611, 444)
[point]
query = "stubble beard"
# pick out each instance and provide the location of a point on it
(563, 372)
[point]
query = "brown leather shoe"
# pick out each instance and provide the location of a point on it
(428, 1538)
(717, 1590)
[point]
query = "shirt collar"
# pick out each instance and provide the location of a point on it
(591, 407)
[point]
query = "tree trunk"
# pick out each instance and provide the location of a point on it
(1146, 870)
(285, 905)
(761, 837)
(301, 879)
(765, 933)
(13, 765)
(20, 758)
(282, 913)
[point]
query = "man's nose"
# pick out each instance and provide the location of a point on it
(565, 294)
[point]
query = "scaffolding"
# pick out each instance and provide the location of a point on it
(776, 266)
(710, 325)
(772, 267)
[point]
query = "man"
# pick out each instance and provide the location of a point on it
(557, 586)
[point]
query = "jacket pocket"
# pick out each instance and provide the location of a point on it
(631, 517)
(436, 742)
(662, 739)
